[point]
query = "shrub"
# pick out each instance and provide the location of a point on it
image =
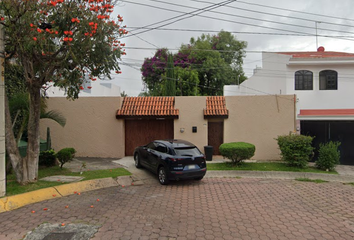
(296, 150)
(47, 158)
(328, 156)
(65, 155)
(237, 151)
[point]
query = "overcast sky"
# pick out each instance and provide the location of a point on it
(266, 25)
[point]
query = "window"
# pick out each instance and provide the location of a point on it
(161, 148)
(193, 151)
(303, 80)
(328, 80)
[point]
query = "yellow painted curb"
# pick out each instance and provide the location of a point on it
(20, 200)
(85, 186)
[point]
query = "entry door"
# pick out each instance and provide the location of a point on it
(215, 135)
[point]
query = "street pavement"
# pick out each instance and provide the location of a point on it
(214, 208)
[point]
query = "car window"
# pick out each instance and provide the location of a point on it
(193, 151)
(161, 148)
(151, 145)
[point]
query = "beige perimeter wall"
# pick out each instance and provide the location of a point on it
(190, 115)
(91, 127)
(93, 130)
(259, 120)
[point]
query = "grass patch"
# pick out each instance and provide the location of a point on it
(310, 180)
(351, 183)
(12, 187)
(263, 166)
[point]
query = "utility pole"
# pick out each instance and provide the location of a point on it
(2, 115)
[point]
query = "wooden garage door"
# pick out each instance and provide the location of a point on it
(141, 132)
(215, 135)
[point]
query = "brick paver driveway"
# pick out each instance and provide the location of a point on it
(215, 208)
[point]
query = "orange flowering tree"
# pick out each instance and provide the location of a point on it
(66, 42)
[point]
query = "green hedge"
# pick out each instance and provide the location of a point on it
(328, 156)
(237, 151)
(296, 150)
(47, 158)
(65, 155)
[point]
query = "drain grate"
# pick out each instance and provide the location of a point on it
(59, 236)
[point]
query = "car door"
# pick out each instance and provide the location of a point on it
(158, 156)
(146, 154)
(151, 155)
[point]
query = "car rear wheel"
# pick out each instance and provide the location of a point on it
(137, 160)
(198, 178)
(163, 176)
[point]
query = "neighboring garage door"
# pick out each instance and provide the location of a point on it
(325, 131)
(141, 132)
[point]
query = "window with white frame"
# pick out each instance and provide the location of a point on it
(303, 80)
(328, 80)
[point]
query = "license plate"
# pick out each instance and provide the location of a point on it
(189, 167)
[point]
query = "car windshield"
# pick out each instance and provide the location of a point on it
(192, 151)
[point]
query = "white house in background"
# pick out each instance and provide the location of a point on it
(323, 83)
(98, 88)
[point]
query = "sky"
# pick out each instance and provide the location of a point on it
(266, 26)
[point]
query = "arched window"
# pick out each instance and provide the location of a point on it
(328, 80)
(303, 80)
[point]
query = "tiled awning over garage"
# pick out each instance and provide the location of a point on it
(148, 107)
(216, 107)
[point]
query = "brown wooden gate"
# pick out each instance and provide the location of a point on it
(141, 132)
(215, 135)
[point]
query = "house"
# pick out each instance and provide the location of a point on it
(112, 127)
(323, 83)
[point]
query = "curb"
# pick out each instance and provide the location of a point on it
(20, 200)
(280, 175)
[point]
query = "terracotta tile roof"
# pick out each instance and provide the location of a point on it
(319, 54)
(216, 107)
(148, 107)
(327, 112)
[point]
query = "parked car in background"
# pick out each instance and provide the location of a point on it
(171, 160)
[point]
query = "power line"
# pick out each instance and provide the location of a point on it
(291, 10)
(279, 15)
(246, 17)
(192, 14)
(231, 21)
(240, 32)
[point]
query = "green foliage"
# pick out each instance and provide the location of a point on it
(296, 150)
(67, 42)
(237, 151)
(328, 156)
(47, 158)
(187, 82)
(217, 60)
(311, 180)
(170, 82)
(65, 155)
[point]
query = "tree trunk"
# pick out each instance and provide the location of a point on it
(11, 145)
(33, 134)
(26, 169)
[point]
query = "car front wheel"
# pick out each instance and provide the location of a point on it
(137, 160)
(163, 176)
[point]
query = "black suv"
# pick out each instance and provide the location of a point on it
(171, 160)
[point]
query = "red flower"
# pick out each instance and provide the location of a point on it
(39, 30)
(34, 38)
(81, 88)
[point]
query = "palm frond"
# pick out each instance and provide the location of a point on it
(55, 116)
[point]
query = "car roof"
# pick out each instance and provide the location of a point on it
(176, 143)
